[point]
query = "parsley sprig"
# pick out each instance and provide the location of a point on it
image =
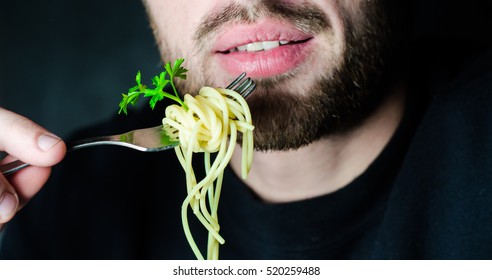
(157, 93)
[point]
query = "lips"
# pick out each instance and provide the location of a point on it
(263, 49)
(259, 46)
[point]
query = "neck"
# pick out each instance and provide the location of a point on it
(326, 165)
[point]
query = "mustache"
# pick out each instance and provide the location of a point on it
(306, 17)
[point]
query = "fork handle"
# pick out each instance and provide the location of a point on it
(12, 167)
(16, 165)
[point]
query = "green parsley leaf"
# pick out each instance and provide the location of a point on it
(159, 82)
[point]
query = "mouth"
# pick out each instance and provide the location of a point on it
(262, 50)
(262, 46)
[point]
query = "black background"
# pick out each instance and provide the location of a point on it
(64, 64)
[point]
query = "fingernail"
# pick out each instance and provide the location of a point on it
(8, 206)
(46, 141)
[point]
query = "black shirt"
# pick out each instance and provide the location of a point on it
(427, 196)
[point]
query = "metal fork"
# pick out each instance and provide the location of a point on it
(152, 139)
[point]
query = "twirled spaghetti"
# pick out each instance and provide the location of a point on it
(210, 125)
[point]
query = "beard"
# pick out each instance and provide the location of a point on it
(332, 102)
(335, 102)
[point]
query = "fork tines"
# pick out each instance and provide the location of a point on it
(245, 87)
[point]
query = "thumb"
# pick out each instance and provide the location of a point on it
(29, 142)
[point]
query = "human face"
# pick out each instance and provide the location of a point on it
(314, 61)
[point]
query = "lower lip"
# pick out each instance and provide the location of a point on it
(263, 64)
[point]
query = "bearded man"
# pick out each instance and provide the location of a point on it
(353, 159)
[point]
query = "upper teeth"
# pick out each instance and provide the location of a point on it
(259, 46)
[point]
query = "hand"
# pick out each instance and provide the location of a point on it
(23, 139)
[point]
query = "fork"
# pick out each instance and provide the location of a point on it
(152, 139)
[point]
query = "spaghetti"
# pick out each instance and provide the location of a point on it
(210, 125)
